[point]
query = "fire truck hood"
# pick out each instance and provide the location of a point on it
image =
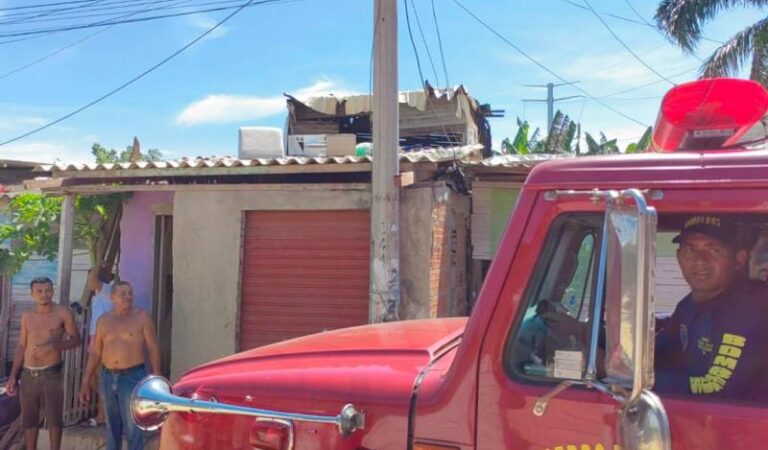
(366, 365)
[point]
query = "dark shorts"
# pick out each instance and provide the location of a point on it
(42, 391)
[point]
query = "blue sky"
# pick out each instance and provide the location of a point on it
(194, 104)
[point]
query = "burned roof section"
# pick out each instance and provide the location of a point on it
(428, 118)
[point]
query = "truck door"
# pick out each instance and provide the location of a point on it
(537, 337)
(551, 283)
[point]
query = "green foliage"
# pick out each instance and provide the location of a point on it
(32, 219)
(682, 21)
(30, 230)
(643, 145)
(603, 147)
(102, 155)
(560, 137)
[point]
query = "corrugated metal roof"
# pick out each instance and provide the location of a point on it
(514, 161)
(433, 155)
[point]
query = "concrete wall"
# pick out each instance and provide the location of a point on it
(137, 243)
(207, 230)
(415, 249)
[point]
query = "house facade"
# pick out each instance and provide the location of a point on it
(228, 254)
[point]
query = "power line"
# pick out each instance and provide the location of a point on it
(413, 43)
(639, 16)
(68, 46)
(88, 12)
(13, 8)
(424, 41)
(543, 67)
(141, 19)
(47, 13)
(627, 19)
(140, 76)
(440, 43)
(623, 44)
(624, 91)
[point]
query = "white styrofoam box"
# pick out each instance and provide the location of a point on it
(309, 145)
(260, 142)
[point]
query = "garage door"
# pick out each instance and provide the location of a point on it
(303, 272)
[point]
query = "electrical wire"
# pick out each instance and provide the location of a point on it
(424, 41)
(140, 76)
(440, 43)
(135, 20)
(624, 91)
(41, 5)
(121, 5)
(627, 19)
(47, 13)
(626, 47)
(543, 67)
(637, 13)
(68, 46)
(413, 44)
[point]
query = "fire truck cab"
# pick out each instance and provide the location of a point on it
(559, 350)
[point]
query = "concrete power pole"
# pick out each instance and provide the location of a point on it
(385, 185)
(550, 100)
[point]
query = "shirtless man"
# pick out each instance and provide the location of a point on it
(39, 353)
(121, 336)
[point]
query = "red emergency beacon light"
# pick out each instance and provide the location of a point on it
(708, 114)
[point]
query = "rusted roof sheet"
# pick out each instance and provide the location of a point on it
(177, 167)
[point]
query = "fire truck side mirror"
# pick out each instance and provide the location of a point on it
(629, 263)
(629, 260)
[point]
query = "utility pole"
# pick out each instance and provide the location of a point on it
(385, 183)
(550, 100)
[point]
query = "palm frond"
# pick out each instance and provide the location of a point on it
(682, 20)
(759, 70)
(727, 59)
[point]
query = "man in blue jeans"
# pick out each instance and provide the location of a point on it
(119, 343)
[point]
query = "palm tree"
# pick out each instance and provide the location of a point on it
(682, 21)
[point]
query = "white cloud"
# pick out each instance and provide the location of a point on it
(20, 123)
(46, 152)
(204, 23)
(622, 69)
(225, 108)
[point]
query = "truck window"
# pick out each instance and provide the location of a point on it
(558, 301)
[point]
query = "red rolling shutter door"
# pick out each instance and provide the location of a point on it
(303, 272)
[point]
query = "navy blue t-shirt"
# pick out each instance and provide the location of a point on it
(717, 348)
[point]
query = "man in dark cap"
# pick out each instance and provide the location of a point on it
(715, 343)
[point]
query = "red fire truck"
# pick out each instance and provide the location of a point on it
(582, 240)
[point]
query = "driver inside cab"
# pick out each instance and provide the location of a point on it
(715, 343)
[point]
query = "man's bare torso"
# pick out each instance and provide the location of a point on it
(122, 338)
(42, 329)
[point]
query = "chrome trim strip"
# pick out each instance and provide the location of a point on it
(152, 396)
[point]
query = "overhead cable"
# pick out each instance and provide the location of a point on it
(135, 20)
(626, 47)
(141, 75)
(545, 68)
(440, 43)
(68, 46)
(424, 41)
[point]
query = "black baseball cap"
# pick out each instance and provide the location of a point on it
(713, 225)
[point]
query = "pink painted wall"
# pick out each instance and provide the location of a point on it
(137, 245)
